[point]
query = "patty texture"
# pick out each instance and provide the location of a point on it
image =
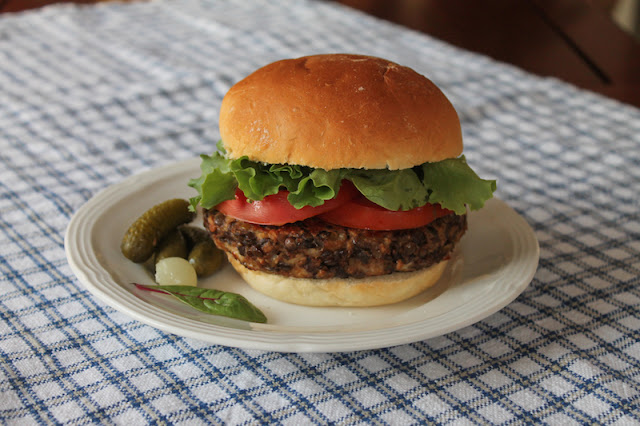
(316, 249)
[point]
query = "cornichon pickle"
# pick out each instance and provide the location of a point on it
(206, 258)
(142, 237)
(173, 245)
(150, 264)
(194, 235)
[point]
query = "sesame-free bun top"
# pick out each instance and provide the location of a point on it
(339, 111)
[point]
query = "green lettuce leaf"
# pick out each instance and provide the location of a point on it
(216, 183)
(315, 188)
(451, 183)
(391, 189)
(255, 179)
(221, 176)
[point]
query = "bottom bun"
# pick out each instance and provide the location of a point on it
(370, 291)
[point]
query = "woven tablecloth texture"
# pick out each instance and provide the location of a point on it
(90, 95)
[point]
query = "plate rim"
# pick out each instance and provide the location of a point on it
(78, 235)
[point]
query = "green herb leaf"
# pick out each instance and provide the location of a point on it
(211, 301)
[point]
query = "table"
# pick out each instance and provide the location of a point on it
(574, 40)
(92, 95)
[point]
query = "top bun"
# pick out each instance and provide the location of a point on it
(339, 111)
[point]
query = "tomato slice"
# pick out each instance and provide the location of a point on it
(276, 210)
(361, 213)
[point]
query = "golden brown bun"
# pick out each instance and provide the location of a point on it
(371, 291)
(335, 111)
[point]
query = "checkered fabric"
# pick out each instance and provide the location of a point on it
(91, 95)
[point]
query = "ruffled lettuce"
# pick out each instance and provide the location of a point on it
(450, 183)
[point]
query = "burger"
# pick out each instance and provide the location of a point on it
(339, 180)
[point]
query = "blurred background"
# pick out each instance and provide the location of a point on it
(593, 44)
(416, 13)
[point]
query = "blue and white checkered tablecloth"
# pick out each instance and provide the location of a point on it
(92, 95)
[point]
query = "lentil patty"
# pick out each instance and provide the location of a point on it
(316, 249)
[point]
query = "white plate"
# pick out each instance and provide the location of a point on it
(494, 263)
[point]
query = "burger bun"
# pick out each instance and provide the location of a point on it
(362, 292)
(339, 111)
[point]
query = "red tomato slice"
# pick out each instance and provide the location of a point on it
(276, 210)
(361, 213)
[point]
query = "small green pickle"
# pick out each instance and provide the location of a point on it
(173, 245)
(144, 235)
(194, 234)
(206, 258)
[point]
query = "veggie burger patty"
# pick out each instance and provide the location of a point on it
(316, 249)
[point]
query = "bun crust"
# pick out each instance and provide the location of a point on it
(372, 291)
(339, 111)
